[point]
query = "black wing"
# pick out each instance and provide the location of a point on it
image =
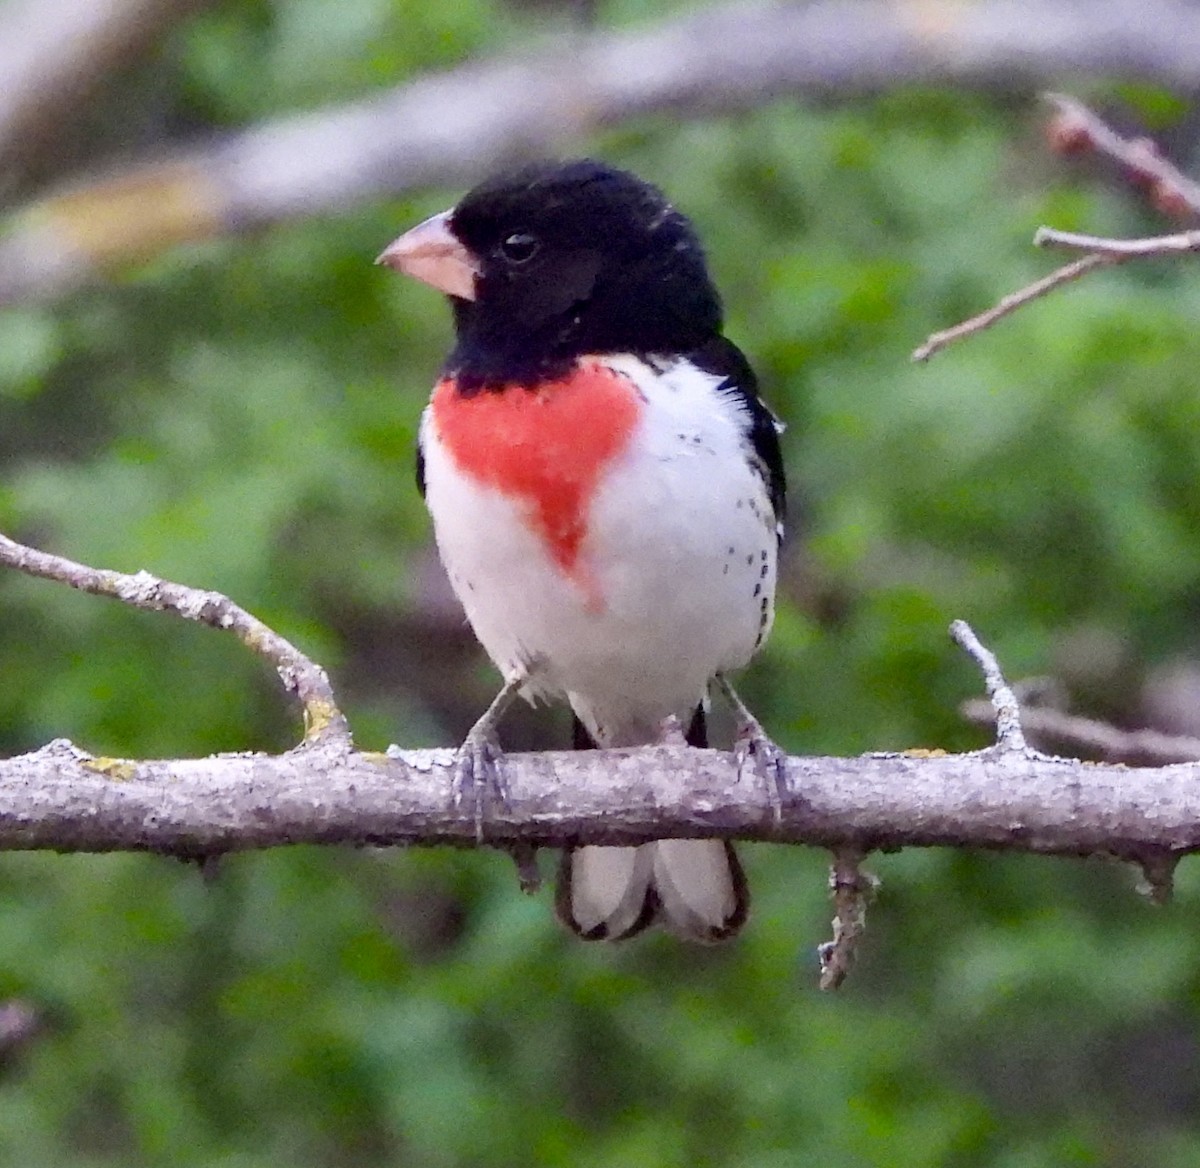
(724, 359)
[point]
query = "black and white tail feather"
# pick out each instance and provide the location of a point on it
(696, 889)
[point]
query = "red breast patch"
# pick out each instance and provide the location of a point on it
(548, 446)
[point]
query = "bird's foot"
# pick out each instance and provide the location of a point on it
(478, 774)
(478, 777)
(479, 781)
(757, 753)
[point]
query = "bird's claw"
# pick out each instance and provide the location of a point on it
(479, 780)
(477, 773)
(754, 751)
(478, 777)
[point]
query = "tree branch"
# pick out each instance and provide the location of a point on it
(1075, 129)
(852, 888)
(1009, 735)
(1156, 245)
(448, 128)
(1007, 796)
(61, 798)
(1077, 734)
(1068, 273)
(54, 52)
(300, 675)
(324, 792)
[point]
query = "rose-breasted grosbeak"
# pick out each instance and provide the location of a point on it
(607, 492)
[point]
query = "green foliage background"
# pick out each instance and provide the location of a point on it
(241, 416)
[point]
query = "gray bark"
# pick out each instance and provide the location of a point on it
(61, 798)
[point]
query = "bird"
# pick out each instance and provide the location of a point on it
(607, 494)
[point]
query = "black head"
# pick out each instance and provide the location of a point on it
(565, 259)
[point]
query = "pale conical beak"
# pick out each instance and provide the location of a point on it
(430, 252)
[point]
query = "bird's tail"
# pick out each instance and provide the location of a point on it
(694, 888)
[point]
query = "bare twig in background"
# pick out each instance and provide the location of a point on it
(1075, 128)
(852, 888)
(448, 128)
(54, 52)
(301, 676)
(1010, 303)
(1156, 245)
(1087, 736)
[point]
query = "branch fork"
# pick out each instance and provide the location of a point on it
(1074, 129)
(323, 720)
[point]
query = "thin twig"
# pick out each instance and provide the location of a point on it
(302, 676)
(1074, 129)
(1009, 735)
(851, 888)
(1155, 245)
(1110, 743)
(1010, 303)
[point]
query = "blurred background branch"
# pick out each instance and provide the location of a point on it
(446, 128)
(54, 55)
(1059, 730)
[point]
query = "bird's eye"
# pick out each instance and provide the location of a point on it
(519, 248)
